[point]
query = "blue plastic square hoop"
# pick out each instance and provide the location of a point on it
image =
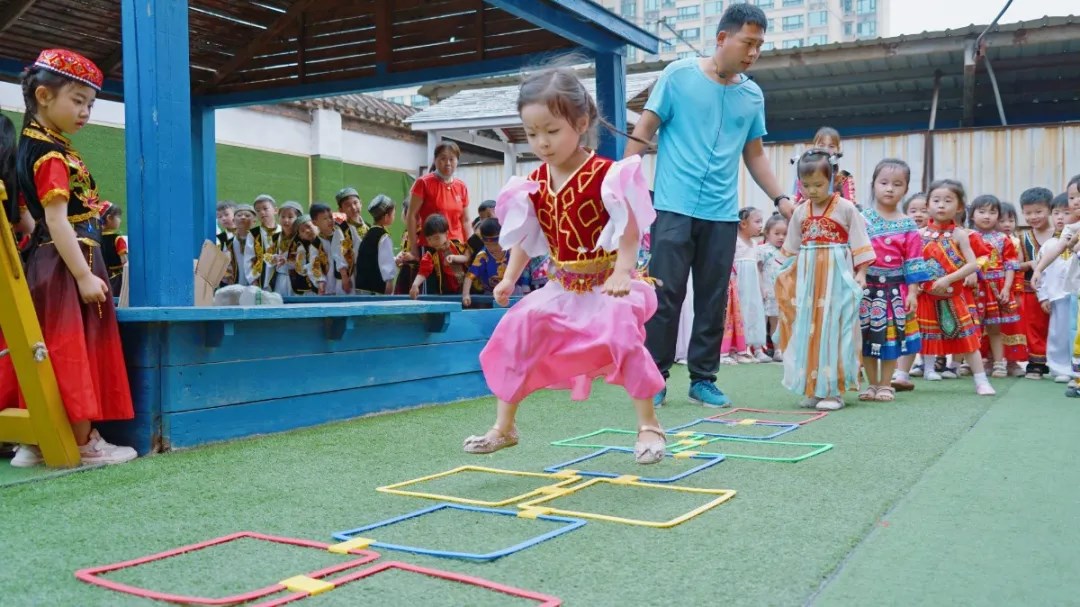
(571, 524)
(780, 428)
(709, 460)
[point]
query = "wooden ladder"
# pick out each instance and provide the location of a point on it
(44, 421)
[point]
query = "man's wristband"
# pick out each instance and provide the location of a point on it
(776, 201)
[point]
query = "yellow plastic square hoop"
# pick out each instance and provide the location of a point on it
(722, 495)
(558, 481)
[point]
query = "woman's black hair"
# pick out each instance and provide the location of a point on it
(7, 168)
(33, 77)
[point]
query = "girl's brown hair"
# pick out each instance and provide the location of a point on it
(558, 88)
(951, 185)
(815, 160)
(827, 132)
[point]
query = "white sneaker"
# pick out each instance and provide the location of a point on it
(830, 404)
(931, 375)
(98, 451)
(727, 360)
(762, 357)
(27, 456)
(1062, 379)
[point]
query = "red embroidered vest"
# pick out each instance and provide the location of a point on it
(572, 218)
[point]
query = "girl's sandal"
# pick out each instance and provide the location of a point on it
(885, 394)
(903, 385)
(491, 442)
(650, 452)
(869, 394)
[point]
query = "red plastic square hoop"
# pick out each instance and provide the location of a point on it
(543, 600)
(811, 416)
(91, 575)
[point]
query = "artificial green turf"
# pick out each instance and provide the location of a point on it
(459, 531)
(397, 587)
(750, 431)
(774, 543)
(620, 463)
(759, 448)
(992, 523)
(250, 563)
(480, 485)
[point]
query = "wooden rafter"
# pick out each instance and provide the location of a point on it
(12, 12)
(113, 61)
(258, 44)
(384, 35)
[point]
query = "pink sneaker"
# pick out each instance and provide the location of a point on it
(98, 451)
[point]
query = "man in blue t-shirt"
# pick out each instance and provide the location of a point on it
(709, 115)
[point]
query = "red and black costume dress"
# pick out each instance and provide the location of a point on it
(1036, 321)
(83, 339)
(443, 277)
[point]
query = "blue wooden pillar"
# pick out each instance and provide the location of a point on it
(611, 97)
(204, 174)
(157, 110)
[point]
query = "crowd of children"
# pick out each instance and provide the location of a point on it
(282, 248)
(926, 284)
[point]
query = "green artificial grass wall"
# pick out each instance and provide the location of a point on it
(244, 173)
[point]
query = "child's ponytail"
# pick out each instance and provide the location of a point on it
(7, 169)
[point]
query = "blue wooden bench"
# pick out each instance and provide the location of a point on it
(207, 374)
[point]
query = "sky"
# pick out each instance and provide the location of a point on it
(916, 16)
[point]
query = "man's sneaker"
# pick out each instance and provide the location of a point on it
(27, 456)
(98, 451)
(706, 394)
(660, 399)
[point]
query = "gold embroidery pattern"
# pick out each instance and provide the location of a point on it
(47, 157)
(51, 196)
(571, 222)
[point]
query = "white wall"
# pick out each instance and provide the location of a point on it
(271, 132)
(1003, 161)
(372, 150)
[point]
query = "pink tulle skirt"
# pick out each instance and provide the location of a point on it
(558, 339)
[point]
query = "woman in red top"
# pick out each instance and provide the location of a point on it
(439, 192)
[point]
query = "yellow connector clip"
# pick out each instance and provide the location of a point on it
(357, 543)
(625, 479)
(303, 583)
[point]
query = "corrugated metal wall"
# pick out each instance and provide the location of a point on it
(999, 161)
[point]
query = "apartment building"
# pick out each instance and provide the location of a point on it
(688, 27)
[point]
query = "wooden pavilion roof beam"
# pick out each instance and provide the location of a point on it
(12, 12)
(269, 35)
